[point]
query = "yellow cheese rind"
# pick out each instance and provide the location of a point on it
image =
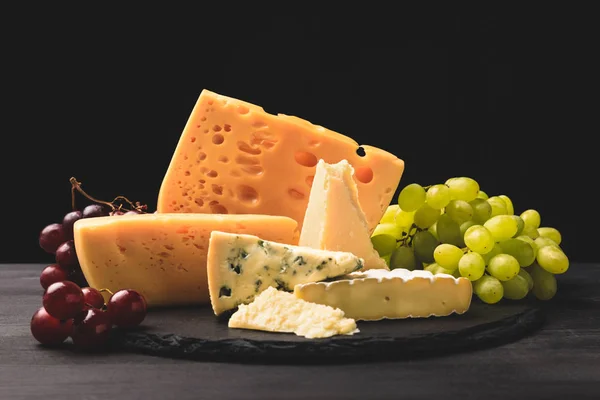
(278, 311)
(233, 157)
(334, 218)
(163, 256)
(379, 294)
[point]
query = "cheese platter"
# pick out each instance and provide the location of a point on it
(274, 237)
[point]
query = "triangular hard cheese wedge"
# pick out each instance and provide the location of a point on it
(334, 219)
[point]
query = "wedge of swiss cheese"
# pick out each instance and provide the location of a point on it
(233, 157)
(379, 294)
(334, 219)
(163, 256)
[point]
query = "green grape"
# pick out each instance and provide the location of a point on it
(433, 230)
(459, 210)
(501, 227)
(526, 238)
(493, 253)
(503, 267)
(509, 204)
(384, 244)
(404, 219)
(531, 218)
(463, 188)
(431, 268)
(390, 214)
(388, 229)
(482, 210)
(438, 196)
(520, 250)
(553, 259)
(472, 266)
(448, 230)
(551, 233)
(529, 240)
(403, 257)
(424, 243)
(479, 239)
(498, 206)
(515, 288)
(520, 225)
(543, 242)
(442, 270)
(482, 195)
(466, 225)
(488, 289)
(544, 283)
(531, 232)
(527, 276)
(447, 256)
(425, 216)
(436, 269)
(411, 197)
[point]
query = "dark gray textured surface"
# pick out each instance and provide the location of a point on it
(560, 360)
(195, 333)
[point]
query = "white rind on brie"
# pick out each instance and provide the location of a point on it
(378, 294)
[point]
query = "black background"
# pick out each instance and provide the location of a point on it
(506, 96)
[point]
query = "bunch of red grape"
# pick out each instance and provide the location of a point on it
(70, 307)
(57, 239)
(81, 313)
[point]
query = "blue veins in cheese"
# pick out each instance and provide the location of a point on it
(241, 266)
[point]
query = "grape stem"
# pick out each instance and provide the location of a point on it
(408, 238)
(106, 290)
(76, 186)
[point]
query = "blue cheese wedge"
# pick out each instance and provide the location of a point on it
(277, 311)
(241, 266)
(378, 294)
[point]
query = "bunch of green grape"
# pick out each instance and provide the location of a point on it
(457, 229)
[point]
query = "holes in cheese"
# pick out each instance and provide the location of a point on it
(163, 256)
(265, 163)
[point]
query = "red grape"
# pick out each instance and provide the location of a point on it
(127, 308)
(63, 300)
(93, 330)
(94, 210)
(132, 212)
(93, 297)
(48, 330)
(116, 212)
(53, 273)
(51, 237)
(66, 256)
(68, 221)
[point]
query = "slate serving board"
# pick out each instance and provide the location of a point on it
(194, 333)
